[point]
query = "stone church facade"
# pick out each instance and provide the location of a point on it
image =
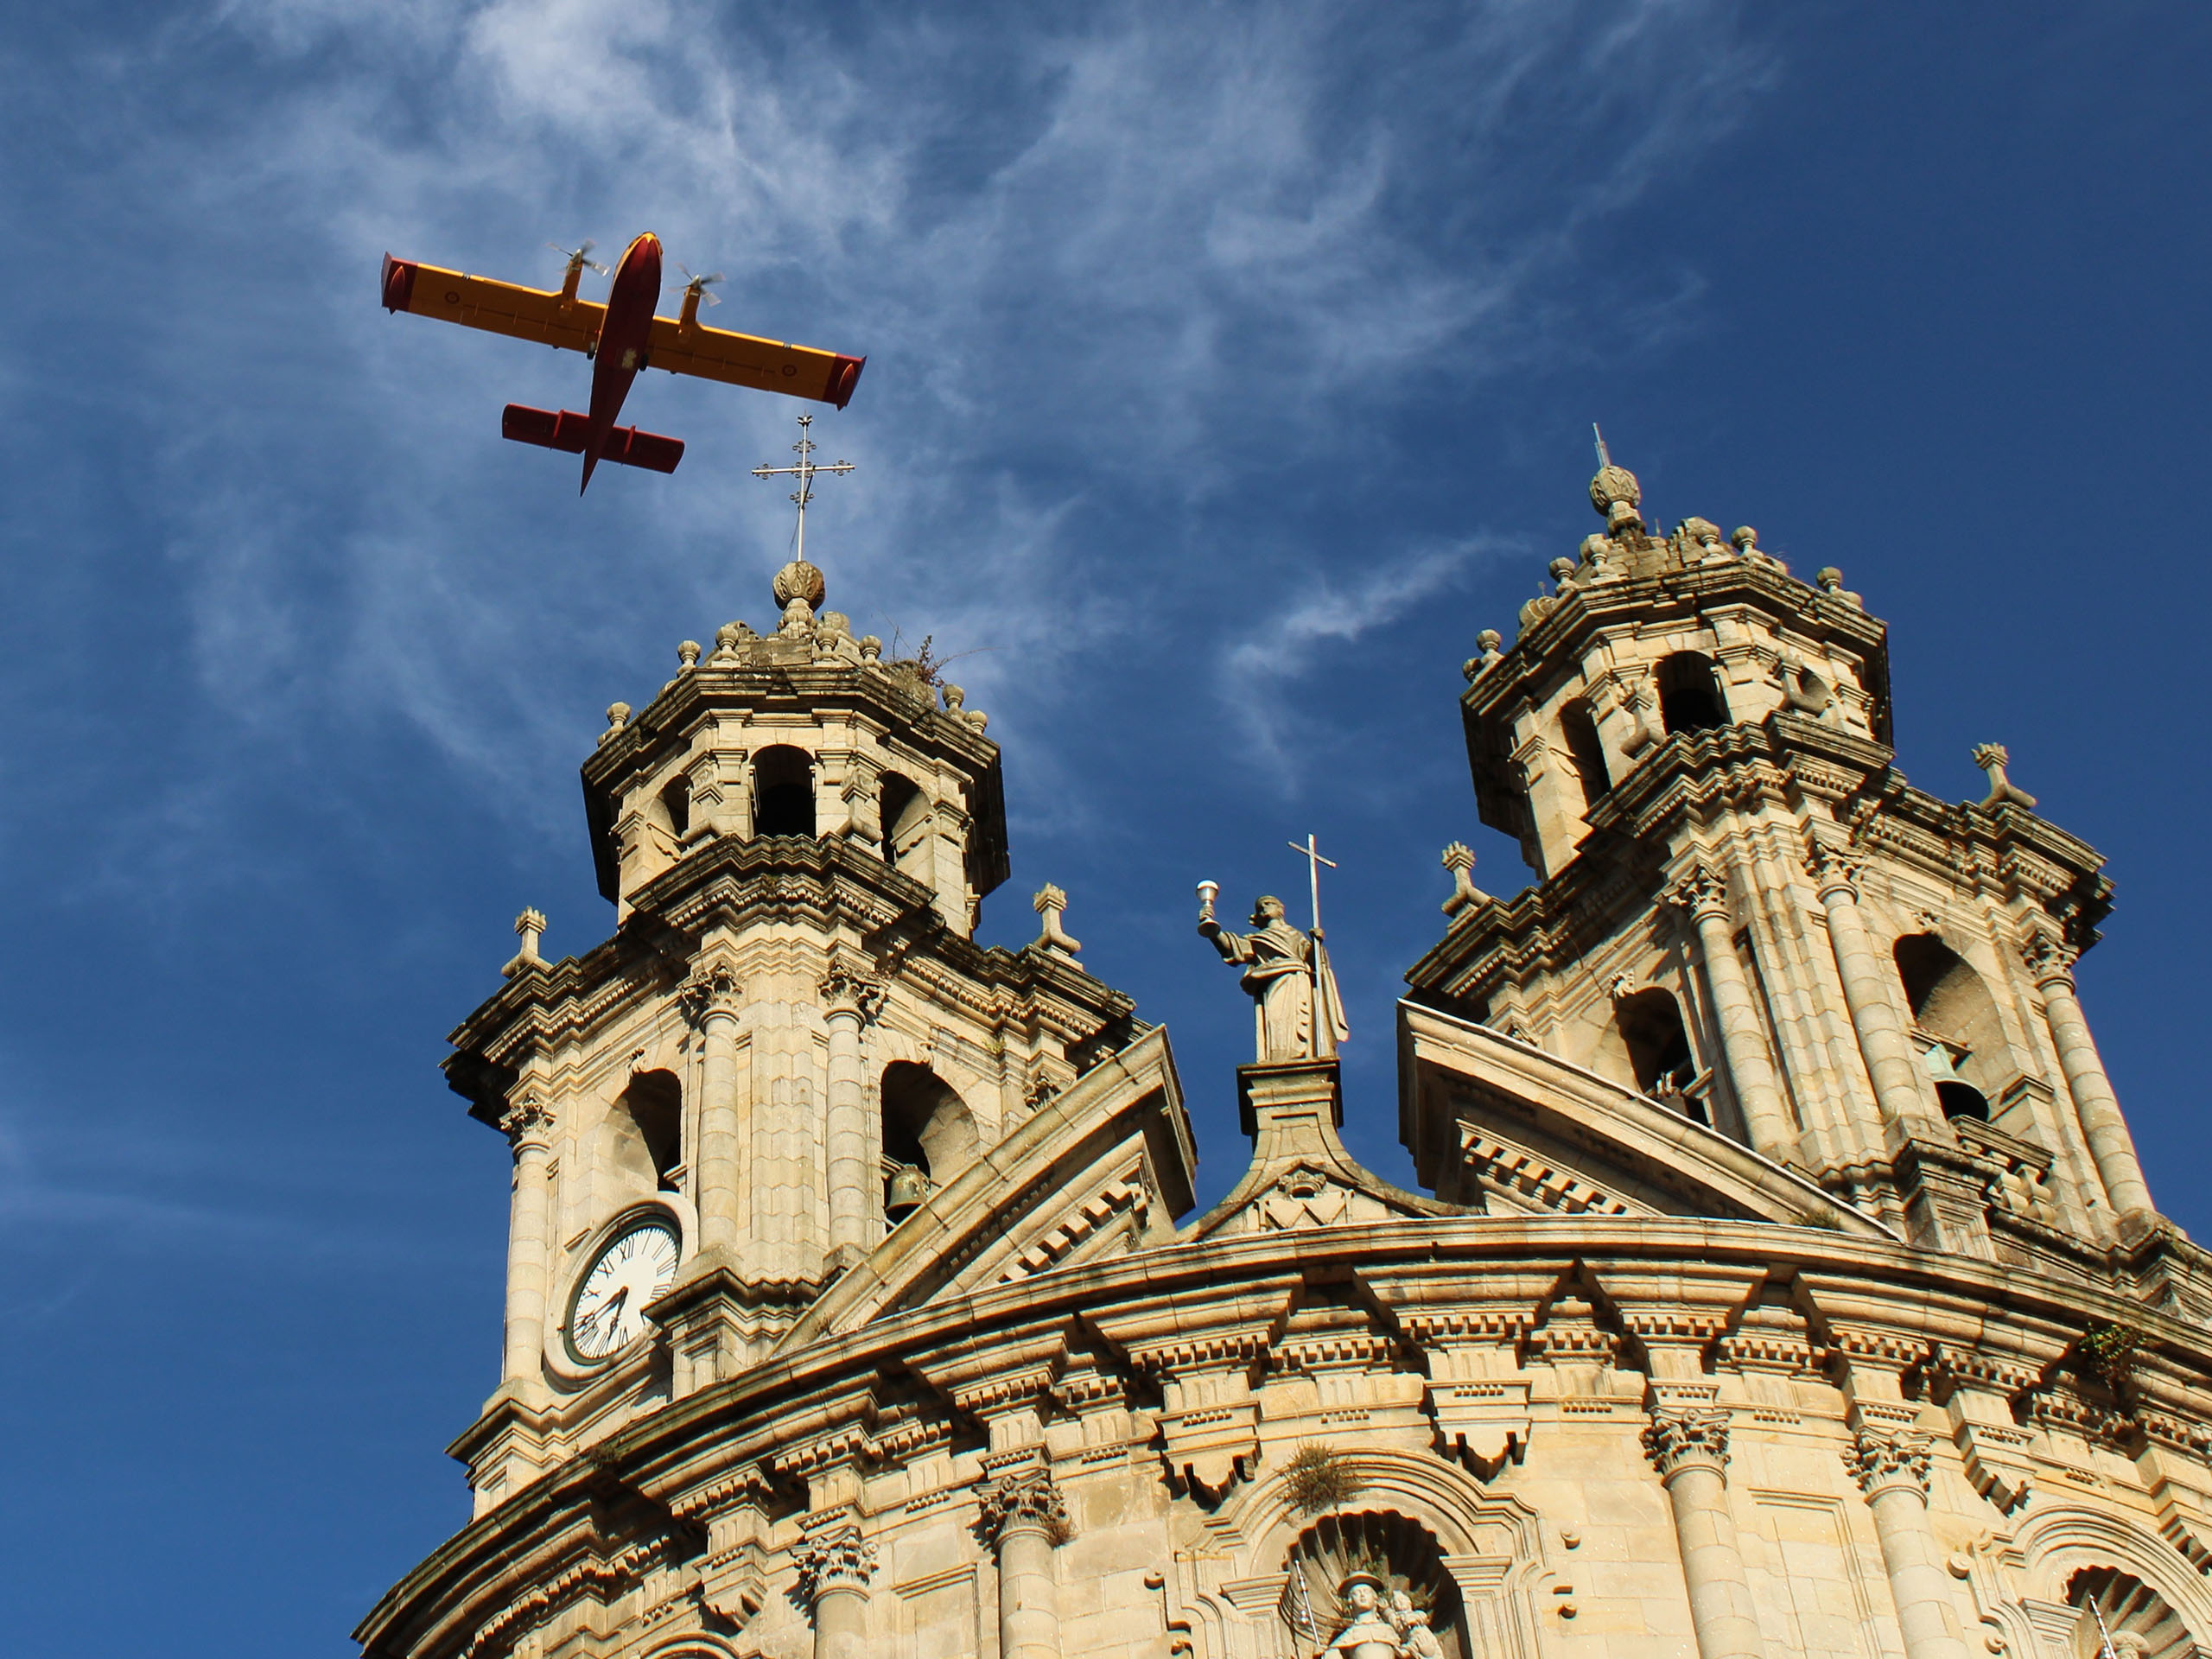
(1790, 1284)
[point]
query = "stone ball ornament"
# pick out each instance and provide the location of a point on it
(800, 580)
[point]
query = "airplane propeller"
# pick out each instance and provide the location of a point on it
(698, 284)
(579, 258)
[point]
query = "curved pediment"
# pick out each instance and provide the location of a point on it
(1496, 1121)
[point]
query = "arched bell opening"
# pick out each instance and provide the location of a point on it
(1411, 1602)
(1588, 754)
(1658, 1044)
(1689, 693)
(783, 791)
(2123, 1618)
(1955, 1026)
(905, 826)
(645, 1131)
(929, 1137)
(675, 805)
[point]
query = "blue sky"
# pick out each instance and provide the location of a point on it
(1229, 368)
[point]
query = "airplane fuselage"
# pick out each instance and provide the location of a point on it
(623, 337)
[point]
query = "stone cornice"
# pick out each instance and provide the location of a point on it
(1783, 761)
(827, 886)
(1217, 1297)
(884, 701)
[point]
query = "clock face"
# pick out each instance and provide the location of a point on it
(609, 1310)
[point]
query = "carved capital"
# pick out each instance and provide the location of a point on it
(1701, 891)
(2049, 961)
(1025, 1499)
(712, 990)
(847, 988)
(841, 1560)
(1835, 874)
(1679, 1438)
(528, 1123)
(1880, 1459)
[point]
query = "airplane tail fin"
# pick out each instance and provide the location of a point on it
(568, 431)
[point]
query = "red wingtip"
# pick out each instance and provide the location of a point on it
(844, 375)
(398, 284)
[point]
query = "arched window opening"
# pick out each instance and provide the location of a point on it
(782, 792)
(2121, 1612)
(647, 1127)
(929, 1136)
(1581, 734)
(1377, 1574)
(1658, 1046)
(676, 803)
(1689, 694)
(1955, 1025)
(905, 826)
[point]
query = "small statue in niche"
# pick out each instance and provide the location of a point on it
(1415, 1639)
(1367, 1632)
(1284, 969)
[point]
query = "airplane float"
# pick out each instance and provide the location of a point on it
(622, 338)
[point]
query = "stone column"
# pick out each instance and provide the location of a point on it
(1689, 1445)
(850, 1001)
(1025, 1519)
(1882, 1040)
(529, 1125)
(2110, 1145)
(1703, 893)
(713, 995)
(834, 1570)
(1889, 1462)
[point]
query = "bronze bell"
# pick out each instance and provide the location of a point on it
(909, 1186)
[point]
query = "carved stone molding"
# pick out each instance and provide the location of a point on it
(2048, 960)
(840, 1560)
(1881, 1458)
(849, 989)
(713, 989)
(1834, 872)
(528, 1123)
(1679, 1438)
(1024, 1499)
(1701, 891)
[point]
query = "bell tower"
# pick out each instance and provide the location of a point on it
(790, 1046)
(1747, 918)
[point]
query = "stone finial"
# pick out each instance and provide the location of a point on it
(529, 925)
(1562, 575)
(1992, 758)
(955, 705)
(618, 716)
(1049, 903)
(1831, 584)
(1459, 859)
(1487, 642)
(1745, 540)
(1704, 535)
(870, 649)
(727, 637)
(800, 580)
(1615, 494)
(687, 656)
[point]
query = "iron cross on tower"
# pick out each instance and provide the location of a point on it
(1311, 854)
(805, 472)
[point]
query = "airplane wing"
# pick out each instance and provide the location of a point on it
(502, 308)
(745, 361)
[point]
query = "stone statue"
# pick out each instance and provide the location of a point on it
(1283, 968)
(1415, 1639)
(1367, 1632)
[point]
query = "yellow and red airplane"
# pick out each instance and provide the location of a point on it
(621, 337)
